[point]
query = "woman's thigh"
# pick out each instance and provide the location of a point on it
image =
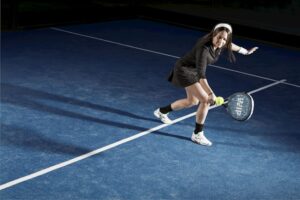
(196, 91)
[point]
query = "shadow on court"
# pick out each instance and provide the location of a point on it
(28, 138)
(26, 97)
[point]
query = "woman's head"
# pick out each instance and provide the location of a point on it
(222, 36)
(220, 39)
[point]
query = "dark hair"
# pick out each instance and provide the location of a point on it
(208, 37)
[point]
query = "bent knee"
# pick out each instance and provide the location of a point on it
(205, 100)
(193, 102)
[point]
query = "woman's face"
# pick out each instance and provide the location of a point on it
(220, 39)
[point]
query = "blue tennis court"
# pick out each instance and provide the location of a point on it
(77, 118)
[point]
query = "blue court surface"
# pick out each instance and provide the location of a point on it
(68, 91)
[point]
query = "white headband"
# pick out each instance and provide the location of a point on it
(223, 25)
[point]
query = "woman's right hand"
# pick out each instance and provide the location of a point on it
(211, 98)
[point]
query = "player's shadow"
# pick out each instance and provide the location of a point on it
(26, 97)
(24, 138)
(30, 139)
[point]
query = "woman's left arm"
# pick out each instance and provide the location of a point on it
(242, 50)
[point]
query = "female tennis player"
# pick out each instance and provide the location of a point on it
(189, 73)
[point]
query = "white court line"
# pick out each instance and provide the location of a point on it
(168, 55)
(105, 148)
(112, 42)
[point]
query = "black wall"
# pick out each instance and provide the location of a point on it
(275, 21)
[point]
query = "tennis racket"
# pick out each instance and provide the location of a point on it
(240, 106)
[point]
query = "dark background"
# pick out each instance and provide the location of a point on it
(275, 21)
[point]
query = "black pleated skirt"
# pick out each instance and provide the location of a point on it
(183, 76)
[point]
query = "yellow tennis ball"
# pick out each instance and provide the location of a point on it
(219, 101)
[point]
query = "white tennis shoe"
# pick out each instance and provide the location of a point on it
(201, 139)
(163, 117)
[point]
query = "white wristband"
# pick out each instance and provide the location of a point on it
(243, 51)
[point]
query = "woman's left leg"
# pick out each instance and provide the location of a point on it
(199, 92)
